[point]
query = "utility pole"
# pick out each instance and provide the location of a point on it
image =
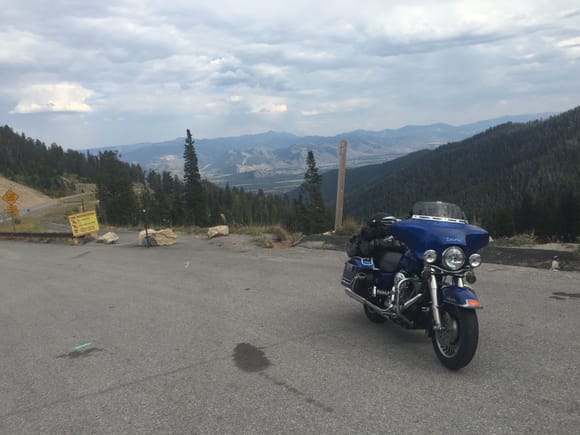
(340, 185)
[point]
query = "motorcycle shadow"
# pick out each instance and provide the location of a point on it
(388, 341)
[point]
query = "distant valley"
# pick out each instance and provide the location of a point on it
(275, 161)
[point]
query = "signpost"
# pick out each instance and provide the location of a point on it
(12, 210)
(84, 223)
(10, 197)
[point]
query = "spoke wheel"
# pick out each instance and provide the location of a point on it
(455, 344)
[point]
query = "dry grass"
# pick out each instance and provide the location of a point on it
(517, 240)
(57, 214)
(269, 236)
(349, 227)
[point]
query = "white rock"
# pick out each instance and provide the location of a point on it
(108, 238)
(158, 238)
(164, 237)
(220, 230)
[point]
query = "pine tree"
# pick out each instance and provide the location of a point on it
(316, 217)
(194, 205)
(117, 201)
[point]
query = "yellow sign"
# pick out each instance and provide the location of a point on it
(83, 223)
(12, 210)
(10, 197)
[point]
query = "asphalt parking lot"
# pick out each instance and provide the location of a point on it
(202, 338)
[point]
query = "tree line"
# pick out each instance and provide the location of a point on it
(128, 195)
(163, 199)
(512, 178)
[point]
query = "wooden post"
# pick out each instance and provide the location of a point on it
(340, 185)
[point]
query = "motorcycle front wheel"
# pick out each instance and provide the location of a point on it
(456, 343)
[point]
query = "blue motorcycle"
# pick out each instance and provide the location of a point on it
(429, 285)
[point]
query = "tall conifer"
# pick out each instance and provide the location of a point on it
(195, 213)
(316, 217)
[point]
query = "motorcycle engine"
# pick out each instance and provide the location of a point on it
(407, 287)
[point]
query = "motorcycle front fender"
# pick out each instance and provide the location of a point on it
(460, 296)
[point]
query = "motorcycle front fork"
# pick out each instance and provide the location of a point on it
(458, 281)
(434, 302)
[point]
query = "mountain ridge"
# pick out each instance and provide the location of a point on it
(501, 176)
(272, 160)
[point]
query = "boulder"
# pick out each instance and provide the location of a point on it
(220, 230)
(108, 238)
(158, 238)
(164, 237)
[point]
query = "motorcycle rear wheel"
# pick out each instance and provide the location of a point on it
(456, 343)
(373, 316)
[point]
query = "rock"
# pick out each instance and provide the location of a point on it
(108, 238)
(164, 237)
(158, 238)
(220, 230)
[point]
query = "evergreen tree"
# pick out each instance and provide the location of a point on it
(316, 217)
(117, 201)
(194, 205)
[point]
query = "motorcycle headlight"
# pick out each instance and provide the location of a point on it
(430, 256)
(453, 258)
(475, 260)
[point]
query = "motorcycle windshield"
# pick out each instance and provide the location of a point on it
(437, 210)
(438, 226)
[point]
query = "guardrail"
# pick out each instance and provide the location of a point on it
(45, 237)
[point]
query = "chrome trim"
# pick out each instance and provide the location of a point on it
(434, 303)
(386, 312)
(438, 219)
(444, 258)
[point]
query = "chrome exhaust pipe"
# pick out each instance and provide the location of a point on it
(411, 301)
(385, 312)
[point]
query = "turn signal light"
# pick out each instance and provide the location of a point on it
(473, 303)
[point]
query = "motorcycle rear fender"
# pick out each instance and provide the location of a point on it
(460, 296)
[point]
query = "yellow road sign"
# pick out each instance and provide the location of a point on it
(12, 210)
(10, 197)
(83, 223)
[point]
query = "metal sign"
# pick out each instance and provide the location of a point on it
(83, 223)
(10, 197)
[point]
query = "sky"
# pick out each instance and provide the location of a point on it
(90, 74)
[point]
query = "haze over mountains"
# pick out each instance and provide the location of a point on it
(276, 161)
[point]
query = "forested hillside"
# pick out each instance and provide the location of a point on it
(130, 196)
(32, 163)
(511, 178)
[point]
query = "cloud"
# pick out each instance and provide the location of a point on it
(269, 107)
(58, 97)
(312, 68)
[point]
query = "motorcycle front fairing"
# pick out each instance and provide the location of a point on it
(423, 234)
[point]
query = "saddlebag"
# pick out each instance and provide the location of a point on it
(358, 275)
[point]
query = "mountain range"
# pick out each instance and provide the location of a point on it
(276, 161)
(522, 175)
